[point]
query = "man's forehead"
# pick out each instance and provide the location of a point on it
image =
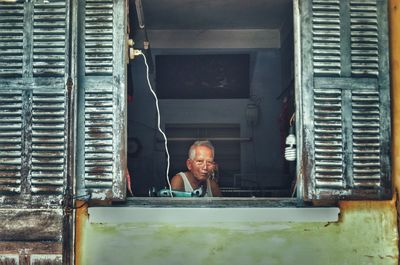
(202, 150)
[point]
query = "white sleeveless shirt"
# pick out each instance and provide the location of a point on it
(189, 188)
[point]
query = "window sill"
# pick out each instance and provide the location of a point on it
(194, 210)
(215, 202)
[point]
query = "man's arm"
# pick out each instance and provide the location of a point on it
(177, 183)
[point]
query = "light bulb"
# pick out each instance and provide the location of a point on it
(290, 150)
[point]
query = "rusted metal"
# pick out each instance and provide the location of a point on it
(394, 9)
(81, 219)
(394, 18)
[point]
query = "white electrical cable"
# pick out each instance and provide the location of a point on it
(158, 121)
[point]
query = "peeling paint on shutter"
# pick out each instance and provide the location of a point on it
(345, 99)
(328, 138)
(99, 37)
(48, 142)
(10, 141)
(366, 139)
(11, 39)
(102, 93)
(99, 155)
(364, 37)
(9, 259)
(34, 66)
(46, 259)
(32, 93)
(326, 37)
(49, 29)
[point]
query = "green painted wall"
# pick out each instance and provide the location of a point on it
(364, 234)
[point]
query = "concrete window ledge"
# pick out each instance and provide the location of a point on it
(173, 215)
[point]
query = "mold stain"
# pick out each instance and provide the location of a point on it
(365, 234)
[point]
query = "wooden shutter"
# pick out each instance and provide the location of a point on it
(102, 88)
(33, 99)
(344, 103)
(34, 65)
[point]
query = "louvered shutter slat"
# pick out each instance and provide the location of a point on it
(49, 20)
(49, 101)
(99, 139)
(48, 142)
(328, 138)
(99, 154)
(345, 99)
(103, 25)
(11, 39)
(10, 141)
(326, 36)
(364, 37)
(98, 37)
(366, 137)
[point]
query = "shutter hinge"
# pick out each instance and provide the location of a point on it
(70, 83)
(67, 201)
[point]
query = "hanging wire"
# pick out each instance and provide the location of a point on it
(159, 122)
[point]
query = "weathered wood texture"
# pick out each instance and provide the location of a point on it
(44, 247)
(345, 100)
(30, 259)
(31, 236)
(35, 45)
(101, 85)
(30, 224)
(34, 68)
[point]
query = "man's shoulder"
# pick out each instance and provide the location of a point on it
(177, 181)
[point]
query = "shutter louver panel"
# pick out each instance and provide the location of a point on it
(326, 37)
(366, 139)
(49, 31)
(99, 156)
(344, 114)
(48, 142)
(102, 89)
(11, 39)
(10, 141)
(364, 38)
(328, 138)
(33, 107)
(99, 37)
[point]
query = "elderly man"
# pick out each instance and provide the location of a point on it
(201, 167)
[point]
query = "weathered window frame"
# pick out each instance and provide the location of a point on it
(219, 202)
(301, 198)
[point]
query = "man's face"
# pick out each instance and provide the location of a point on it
(202, 164)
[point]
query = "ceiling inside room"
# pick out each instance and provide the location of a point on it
(215, 14)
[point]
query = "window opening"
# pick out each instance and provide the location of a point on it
(247, 121)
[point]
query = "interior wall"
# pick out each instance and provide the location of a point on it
(271, 73)
(261, 155)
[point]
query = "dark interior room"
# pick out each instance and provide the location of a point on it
(222, 71)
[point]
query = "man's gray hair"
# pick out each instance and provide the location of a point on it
(192, 149)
